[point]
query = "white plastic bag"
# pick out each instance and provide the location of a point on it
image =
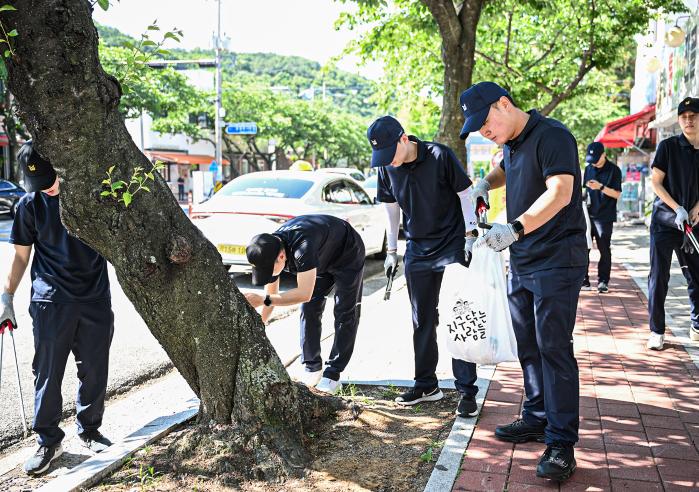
(473, 311)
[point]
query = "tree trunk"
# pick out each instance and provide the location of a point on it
(169, 271)
(10, 128)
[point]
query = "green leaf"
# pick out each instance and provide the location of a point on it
(7, 7)
(148, 42)
(105, 193)
(7, 53)
(106, 182)
(171, 35)
(150, 176)
(145, 188)
(118, 185)
(104, 4)
(127, 198)
(13, 33)
(153, 28)
(110, 170)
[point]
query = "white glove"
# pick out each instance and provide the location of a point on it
(480, 190)
(469, 241)
(500, 236)
(390, 263)
(8, 310)
(681, 216)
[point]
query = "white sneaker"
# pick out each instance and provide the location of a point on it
(656, 341)
(311, 378)
(693, 334)
(329, 386)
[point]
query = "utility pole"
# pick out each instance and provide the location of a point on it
(219, 157)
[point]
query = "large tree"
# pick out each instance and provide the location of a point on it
(539, 49)
(172, 275)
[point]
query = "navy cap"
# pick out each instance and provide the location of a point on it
(383, 135)
(262, 252)
(594, 152)
(38, 172)
(688, 104)
(475, 103)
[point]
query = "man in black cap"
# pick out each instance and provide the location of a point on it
(548, 260)
(425, 181)
(323, 252)
(603, 182)
(675, 181)
(70, 309)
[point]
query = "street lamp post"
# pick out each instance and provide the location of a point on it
(219, 159)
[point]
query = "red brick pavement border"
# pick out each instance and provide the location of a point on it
(639, 426)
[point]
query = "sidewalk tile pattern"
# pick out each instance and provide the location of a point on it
(639, 425)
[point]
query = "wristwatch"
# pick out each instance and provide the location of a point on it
(601, 188)
(267, 301)
(519, 229)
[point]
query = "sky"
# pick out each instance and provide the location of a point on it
(286, 27)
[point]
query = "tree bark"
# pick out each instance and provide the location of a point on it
(169, 271)
(457, 28)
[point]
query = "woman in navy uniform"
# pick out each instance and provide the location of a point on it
(548, 260)
(427, 183)
(323, 252)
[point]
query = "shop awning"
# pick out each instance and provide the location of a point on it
(182, 158)
(623, 132)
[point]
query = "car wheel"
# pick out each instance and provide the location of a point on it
(381, 255)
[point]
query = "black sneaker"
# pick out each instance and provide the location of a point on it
(40, 461)
(519, 431)
(94, 441)
(586, 284)
(602, 288)
(416, 395)
(557, 462)
(467, 407)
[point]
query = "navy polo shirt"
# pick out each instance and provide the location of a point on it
(64, 269)
(426, 191)
(543, 149)
(603, 207)
(679, 160)
(319, 241)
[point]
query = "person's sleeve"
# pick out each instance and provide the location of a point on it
(558, 153)
(660, 160)
(24, 227)
(454, 172)
(616, 179)
(586, 175)
(305, 256)
(393, 214)
(469, 213)
(384, 193)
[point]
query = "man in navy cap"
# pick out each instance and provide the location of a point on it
(70, 309)
(425, 181)
(548, 260)
(675, 181)
(603, 183)
(323, 252)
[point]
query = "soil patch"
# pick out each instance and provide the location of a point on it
(375, 445)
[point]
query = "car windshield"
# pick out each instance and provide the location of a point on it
(370, 182)
(274, 187)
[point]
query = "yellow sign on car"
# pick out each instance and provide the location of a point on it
(231, 249)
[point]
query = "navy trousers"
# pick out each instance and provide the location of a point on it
(543, 307)
(348, 282)
(86, 330)
(663, 241)
(423, 290)
(602, 234)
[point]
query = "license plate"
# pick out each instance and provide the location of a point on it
(231, 249)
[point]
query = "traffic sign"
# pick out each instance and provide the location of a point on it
(245, 128)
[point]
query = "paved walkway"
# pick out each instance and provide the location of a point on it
(639, 427)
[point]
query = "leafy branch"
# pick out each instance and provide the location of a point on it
(138, 182)
(9, 51)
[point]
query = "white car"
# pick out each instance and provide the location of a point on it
(352, 172)
(370, 186)
(260, 202)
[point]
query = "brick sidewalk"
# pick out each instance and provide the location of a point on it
(639, 427)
